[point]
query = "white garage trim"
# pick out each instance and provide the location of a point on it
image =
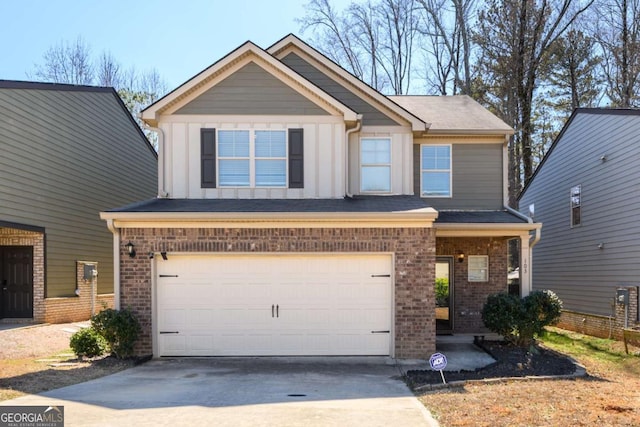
(273, 304)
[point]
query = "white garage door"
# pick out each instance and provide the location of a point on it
(255, 305)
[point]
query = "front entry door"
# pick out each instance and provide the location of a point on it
(16, 281)
(444, 295)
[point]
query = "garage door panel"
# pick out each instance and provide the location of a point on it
(327, 305)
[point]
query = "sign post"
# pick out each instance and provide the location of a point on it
(438, 362)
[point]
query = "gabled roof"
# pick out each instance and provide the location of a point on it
(64, 87)
(292, 43)
(458, 114)
(576, 112)
(248, 52)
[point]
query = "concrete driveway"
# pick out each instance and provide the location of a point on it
(243, 392)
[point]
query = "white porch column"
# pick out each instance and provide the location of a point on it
(525, 266)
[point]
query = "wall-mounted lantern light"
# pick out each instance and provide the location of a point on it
(130, 249)
(460, 256)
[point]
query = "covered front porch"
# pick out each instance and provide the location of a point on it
(472, 262)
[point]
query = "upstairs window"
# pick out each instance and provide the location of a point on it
(435, 170)
(252, 158)
(375, 165)
(576, 203)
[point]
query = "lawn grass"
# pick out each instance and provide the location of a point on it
(608, 396)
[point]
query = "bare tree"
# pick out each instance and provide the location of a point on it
(618, 33)
(332, 36)
(66, 63)
(446, 26)
(374, 41)
(71, 63)
(108, 71)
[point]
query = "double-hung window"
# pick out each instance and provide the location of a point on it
(435, 170)
(375, 165)
(252, 158)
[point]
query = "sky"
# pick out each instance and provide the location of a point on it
(179, 38)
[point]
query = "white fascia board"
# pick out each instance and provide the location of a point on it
(150, 114)
(485, 230)
(419, 218)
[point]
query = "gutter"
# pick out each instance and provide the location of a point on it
(116, 263)
(162, 192)
(346, 153)
(533, 240)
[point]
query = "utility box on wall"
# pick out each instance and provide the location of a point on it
(622, 296)
(90, 271)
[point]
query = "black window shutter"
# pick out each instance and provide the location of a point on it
(208, 158)
(296, 158)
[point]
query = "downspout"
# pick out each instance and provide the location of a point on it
(162, 192)
(533, 240)
(116, 263)
(346, 153)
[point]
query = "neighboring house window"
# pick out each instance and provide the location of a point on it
(375, 165)
(576, 202)
(435, 170)
(478, 268)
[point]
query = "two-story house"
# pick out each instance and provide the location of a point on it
(585, 191)
(301, 212)
(67, 152)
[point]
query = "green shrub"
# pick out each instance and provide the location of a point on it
(442, 292)
(119, 328)
(521, 320)
(88, 343)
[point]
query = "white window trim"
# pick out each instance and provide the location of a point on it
(252, 158)
(386, 138)
(579, 187)
(450, 170)
(483, 279)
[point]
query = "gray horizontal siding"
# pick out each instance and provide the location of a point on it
(66, 156)
(251, 90)
(371, 115)
(477, 177)
(567, 259)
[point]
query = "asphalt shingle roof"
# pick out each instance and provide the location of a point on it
(355, 204)
(347, 204)
(475, 217)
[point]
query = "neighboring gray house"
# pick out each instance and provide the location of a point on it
(66, 153)
(305, 213)
(586, 193)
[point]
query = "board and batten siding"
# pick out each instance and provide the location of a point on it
(477, 175)
(401, 156)
(324, 150)
(568, 260)
(371, 115)
(67, 155)
(251, 90)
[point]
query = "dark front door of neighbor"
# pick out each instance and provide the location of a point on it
(16, 281)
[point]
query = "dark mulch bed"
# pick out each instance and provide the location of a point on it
(511, 361)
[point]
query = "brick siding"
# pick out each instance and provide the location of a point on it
(603, 326)
(54, 310)
(469, 297)
(414, 250)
